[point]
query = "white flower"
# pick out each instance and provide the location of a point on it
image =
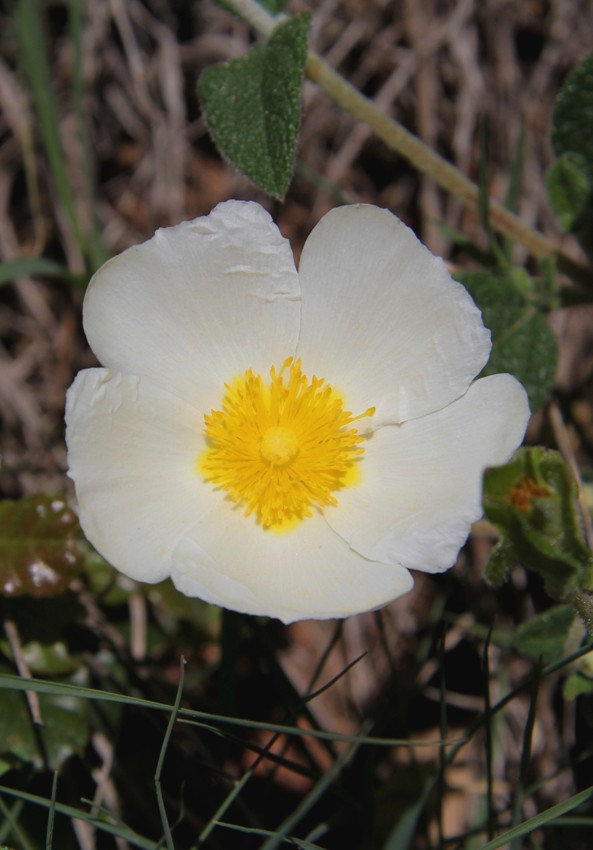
(207, 451)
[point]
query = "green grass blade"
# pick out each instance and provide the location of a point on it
(265, 752)
(96, 248)
(402, 834)
(318, 790)
(10, 825)
(161, 760)
(34, 267)
(49, 838)
(29, 32)
(519, 791)
(540, 820)
(302, 843)
(488, 734)
(511, 200)
(119, 830)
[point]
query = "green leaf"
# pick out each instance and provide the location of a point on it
(65, 729)
(532, 501)
(572, 122)
(273, 6)
(39, 548)
(545, 635)
(501, 559)
(252, 106)
(576, 685)
(570, 183)
(569, 189)
(522, 342)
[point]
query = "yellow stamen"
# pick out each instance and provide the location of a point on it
(281, 448)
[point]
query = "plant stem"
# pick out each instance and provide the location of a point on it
(415, 151)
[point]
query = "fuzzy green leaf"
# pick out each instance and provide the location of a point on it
(572, 123)
(569, 189)
(498, 564)
(253, 106)
(545, 635)
(570, 183)
(39, 549)
(522, 342)
(532, 501)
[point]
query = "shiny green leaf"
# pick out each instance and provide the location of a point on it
(39, 548)
(253, 106)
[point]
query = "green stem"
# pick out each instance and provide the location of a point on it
(415, 151)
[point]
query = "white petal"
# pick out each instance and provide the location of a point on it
(198, 303)
(309, 572)
(382, 320)
(132, 451)
(421, 481)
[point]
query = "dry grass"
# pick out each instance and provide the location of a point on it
(439, 67)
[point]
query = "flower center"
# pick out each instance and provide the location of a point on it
(282, 447)
(279, 445)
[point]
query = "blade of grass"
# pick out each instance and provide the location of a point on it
(264, 752)
(8, 681)
(192, 716)
(119, 830)
(10, 824)
(288, 825)
(443, 732)
(519, 790)
(484, 200)
(29, 32)
(96, 248)
(540, 819)
(405, 829)
(249, 830)
(488, 734)
(511, 200)
(403, 832)
(33, 267)
(161, 759)
(49, 837)
(230, 641)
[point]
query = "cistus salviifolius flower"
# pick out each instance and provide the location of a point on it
(278, 442)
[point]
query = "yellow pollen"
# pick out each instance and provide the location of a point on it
(279, 445)
(281, 448)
